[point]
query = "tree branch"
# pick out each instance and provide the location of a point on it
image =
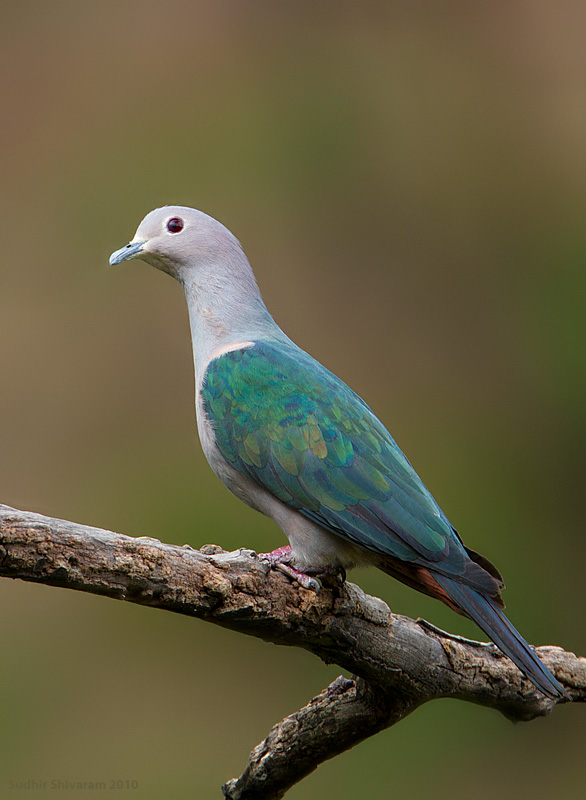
(401, 662)
(344, 714)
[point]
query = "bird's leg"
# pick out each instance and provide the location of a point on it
(280, 558)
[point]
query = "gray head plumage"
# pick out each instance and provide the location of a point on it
(223, 298)
(178, 238)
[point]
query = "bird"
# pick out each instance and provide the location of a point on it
(293, 441)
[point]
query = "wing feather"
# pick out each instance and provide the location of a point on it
(297, 430)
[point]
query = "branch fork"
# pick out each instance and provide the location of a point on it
(397, 663)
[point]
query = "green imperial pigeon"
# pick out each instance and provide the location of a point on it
(291, 440)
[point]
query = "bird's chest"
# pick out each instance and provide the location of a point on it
(204, 426)
(208, 443)
(237, 483)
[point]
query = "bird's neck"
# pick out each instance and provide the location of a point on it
(226, 307)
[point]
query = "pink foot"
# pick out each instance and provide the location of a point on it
(281, 555)
(280, 558)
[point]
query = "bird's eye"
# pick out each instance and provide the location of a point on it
(175, 225)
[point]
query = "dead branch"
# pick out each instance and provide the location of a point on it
(401, 663)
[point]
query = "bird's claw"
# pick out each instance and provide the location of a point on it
(300, 577)
(280, 558)
(332, 577)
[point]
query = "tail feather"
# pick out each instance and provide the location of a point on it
(486, 614)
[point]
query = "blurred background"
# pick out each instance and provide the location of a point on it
(408, 180)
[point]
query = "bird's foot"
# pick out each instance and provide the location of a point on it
(282, 555)
(311, 578)
(280, 558)
(332, 577)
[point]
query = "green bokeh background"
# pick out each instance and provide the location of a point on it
(408, 182)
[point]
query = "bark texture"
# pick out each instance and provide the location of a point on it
(400, 662)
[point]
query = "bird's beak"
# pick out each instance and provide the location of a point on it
(131, 250)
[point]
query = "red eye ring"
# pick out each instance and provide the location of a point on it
(175, 225)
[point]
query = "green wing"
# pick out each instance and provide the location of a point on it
(297, 430)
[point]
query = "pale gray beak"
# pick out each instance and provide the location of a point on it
(131, 250)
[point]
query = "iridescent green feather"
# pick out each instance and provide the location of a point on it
(292, 427)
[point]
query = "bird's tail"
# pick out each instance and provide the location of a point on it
(489, 617)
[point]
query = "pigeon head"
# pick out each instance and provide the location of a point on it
(207, 260)
(180, 241)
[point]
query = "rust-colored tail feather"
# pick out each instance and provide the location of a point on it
(484, 610)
